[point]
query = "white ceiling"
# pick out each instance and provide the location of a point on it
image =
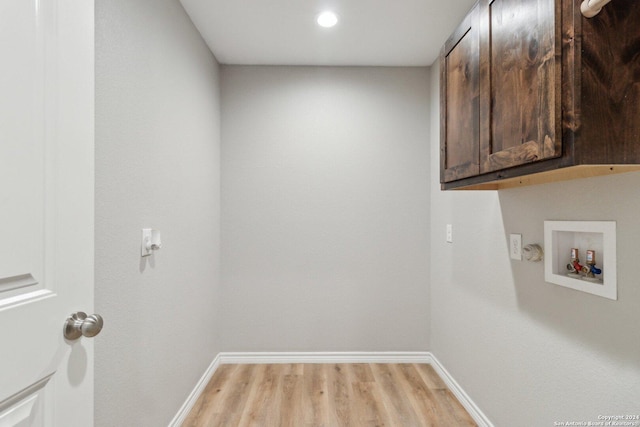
(284, 32)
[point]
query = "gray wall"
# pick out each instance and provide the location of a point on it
(325, 208)
(329, 198)
(529, 352)
(157, 165)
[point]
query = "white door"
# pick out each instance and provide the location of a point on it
(46, 210)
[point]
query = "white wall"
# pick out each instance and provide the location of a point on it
(325, 208)
(529, 352)
(157, 165)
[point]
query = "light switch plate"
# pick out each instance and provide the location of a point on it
(449, 233)
(515, 246)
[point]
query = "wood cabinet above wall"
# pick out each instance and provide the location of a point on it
(533, 92)
(460, 98)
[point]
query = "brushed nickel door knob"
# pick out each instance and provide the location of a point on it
(80, 325)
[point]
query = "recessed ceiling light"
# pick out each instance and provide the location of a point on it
(327, 19)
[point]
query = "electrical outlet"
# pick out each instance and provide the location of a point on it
(515, 246)
(449, 233)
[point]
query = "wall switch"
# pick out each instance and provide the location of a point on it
(515, 246)
(449, 233)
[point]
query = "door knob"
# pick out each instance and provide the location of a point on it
(79, 324)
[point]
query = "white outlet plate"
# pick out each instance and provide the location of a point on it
(449, 233)
(515, 246)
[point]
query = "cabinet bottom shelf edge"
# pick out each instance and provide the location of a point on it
(492, 182)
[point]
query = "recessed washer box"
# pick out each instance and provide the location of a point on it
(560, 237)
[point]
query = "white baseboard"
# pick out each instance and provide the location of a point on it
(478, 416)
(325, 357)
(332, 357)
(195, 393)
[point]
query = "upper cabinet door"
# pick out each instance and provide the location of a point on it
(520, 81)
(459, 102)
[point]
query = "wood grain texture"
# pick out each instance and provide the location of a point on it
(610, 85)
(460, 92)
(521, 78)
(327, 395)
(292, 396)
(551, 175)
(597, 76)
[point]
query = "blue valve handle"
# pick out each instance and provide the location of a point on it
(595, 270)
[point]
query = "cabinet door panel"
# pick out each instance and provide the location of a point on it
(610, 85)
(460, 115)
(520, 83)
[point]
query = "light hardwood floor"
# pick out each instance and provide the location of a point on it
(304, 395)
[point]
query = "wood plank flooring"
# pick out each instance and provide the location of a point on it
(329, 395)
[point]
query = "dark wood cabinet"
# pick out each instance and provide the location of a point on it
(519, 117)
(531, 92)
(460, 97)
